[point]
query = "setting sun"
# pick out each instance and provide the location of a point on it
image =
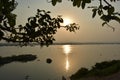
(67, 21)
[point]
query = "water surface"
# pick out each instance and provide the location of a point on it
(66, 60)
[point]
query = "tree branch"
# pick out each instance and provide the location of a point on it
(107, 3)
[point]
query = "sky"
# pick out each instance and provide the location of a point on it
(91, 30)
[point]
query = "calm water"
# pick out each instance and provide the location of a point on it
(67, 59)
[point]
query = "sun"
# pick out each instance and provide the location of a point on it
(67, 21)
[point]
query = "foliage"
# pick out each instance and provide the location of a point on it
(80, 73)
(99, 69)
(40, 28)
(105, 9)
(7, 18)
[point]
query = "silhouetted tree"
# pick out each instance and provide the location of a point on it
(40, 28)
(105, 9)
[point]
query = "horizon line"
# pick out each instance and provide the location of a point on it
(66, 43)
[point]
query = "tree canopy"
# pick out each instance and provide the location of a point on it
(39, 28)
(105, 9)
(42, 27)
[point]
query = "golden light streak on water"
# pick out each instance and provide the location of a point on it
(67, 49)
(67, 64)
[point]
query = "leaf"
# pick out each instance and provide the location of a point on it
(59, 1)
(104, 23)
(38, 10)
(94, 13)
(87, 1)
(54, 2)
(58, 24)
(29, 19)
(116, 18)
(48, 16)
(83, 5)
(106, 7)
(100, 12)
(111, 10)
(106, 18)
(79, 3)
(48, 12)
(113, 0)
(60, 20)
(74, 2)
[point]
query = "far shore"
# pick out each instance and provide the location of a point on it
(64, 43)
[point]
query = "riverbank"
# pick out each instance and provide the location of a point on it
(114, 76)
(107, 70)
(18, 58)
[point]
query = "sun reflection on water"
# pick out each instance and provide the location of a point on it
(67, 50)
(67, 64)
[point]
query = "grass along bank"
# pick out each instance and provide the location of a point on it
(102, 69)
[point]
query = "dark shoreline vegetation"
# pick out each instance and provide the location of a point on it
(66, 43)
(102, 69)
(20, 58)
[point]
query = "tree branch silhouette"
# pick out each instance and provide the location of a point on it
(40, 28)
(105, 9)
